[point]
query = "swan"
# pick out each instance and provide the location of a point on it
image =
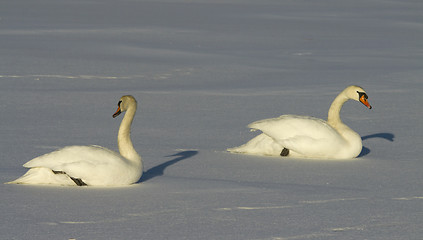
(90, 165)
(308, 137)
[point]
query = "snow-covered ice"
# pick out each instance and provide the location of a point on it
(201, 71)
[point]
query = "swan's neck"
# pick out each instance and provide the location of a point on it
(350, 136)
(334, 118)
(126, 148)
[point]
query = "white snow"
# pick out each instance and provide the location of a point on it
(201, 71)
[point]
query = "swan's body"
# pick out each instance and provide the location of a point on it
(90, 165)
(308, 137)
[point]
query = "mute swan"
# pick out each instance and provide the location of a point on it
(308, 137)
(90, 165)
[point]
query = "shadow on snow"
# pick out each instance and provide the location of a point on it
(388, 136)
(159, 169)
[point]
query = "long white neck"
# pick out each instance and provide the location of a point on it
(334, 118)
(350, 136)
(126, 148)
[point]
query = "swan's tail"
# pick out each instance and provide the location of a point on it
(260, 145)
(42, 175)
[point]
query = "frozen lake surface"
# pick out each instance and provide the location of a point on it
(201, 71)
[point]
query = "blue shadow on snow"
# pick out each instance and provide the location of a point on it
(159, 169)
(388, 136)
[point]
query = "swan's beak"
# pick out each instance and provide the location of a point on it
(118, 111)
(364, 101)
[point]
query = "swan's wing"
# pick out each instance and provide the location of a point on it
(287, 126)
(77, 161)
(302, 134)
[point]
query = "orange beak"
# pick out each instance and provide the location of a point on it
(118, 111)
(364, 101)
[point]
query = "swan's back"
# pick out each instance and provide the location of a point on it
(288, 126)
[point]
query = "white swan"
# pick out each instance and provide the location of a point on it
(308, 137)
(90, 165)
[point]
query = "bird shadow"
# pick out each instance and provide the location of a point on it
(159, 169)
(388, 136)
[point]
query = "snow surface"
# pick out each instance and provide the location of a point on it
(201, 71)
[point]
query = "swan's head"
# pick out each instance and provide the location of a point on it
(357, 93)
(124, 104)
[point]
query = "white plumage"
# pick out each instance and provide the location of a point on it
(308, 137)
(90, 165)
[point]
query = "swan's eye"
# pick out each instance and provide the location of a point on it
(362, 94)
(119, 103)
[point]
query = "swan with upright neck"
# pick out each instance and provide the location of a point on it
(308, 137)
(90, 165)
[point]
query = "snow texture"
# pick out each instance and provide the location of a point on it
(201, 71)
